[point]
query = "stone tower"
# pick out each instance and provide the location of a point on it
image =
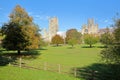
(90, 27)
(45, 35)
(53, 27)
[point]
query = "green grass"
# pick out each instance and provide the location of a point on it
(15, 73)
(64, 55)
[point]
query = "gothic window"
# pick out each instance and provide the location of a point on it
(86, 31)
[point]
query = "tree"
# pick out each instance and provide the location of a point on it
(107, 38)
(117, 31)
(112, 53)
(1, 38)
(90, 39)
(20, 32)
(72, 42)
(57, 39)
(73, 33)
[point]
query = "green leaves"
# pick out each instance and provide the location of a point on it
(73, 33)
(72, 41)
(20, 32)
(112, 53)
(90, 39)
(107, 38)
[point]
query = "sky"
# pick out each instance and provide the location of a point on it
(70, 13)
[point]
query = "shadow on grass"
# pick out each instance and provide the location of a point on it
(1, 50)
(31, 54)
(7, 57)
(101, 46)
(94, 47)
(56, 46)
(4, 60)
(70, 47)
(88, 47)
(99, 72)
(42, 49)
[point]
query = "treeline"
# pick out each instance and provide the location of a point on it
(74, 37)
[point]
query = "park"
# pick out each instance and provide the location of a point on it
(27, 53)
(67, 57)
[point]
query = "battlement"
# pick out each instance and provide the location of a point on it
(90, 27)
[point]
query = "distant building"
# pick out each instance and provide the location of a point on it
(104, 30)
(53, 27)
(52, 31)
(45, 35)
(90, 27)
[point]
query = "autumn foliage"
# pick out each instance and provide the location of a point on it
(20, 32)
(57, 39)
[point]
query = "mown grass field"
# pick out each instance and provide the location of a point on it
(16, 73)
(64, 55)
(79, 56)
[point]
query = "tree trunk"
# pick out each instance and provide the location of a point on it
(90, 45)
(18, 52)
(72, 45)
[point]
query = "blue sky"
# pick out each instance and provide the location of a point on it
(71, 13)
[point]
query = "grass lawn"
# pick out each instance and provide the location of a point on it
(64, 55)
(15, 73)
(80, 56)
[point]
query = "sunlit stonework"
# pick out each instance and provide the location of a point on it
(53, 29)
(90, 27)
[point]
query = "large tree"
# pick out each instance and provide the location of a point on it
(117, 31)
(112, 53)
(107, 38)
(73, 34)
(20, 32)
(57, 39)
(90, 39)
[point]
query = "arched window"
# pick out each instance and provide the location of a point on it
(86, 31)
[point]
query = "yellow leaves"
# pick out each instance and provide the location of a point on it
(20, 16)
(21, 33)
(57, 39)
(30, 35)
(19, 9)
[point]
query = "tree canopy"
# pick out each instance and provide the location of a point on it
(112, 53)
(57, 39)
(107, 38)
(117, 30)
(20, 32)
(72, 42)
(90, 39)
(73, 33)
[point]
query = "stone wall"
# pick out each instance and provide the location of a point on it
(90, 27)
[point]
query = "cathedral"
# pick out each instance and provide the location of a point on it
(90, 27)
(52, 31)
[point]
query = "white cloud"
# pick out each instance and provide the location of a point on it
(62, 34)
(106, 21)
(41, 17)
(30, 13)
(37, 16)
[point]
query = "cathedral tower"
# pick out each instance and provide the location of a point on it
(90, 27)
(53, 27)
